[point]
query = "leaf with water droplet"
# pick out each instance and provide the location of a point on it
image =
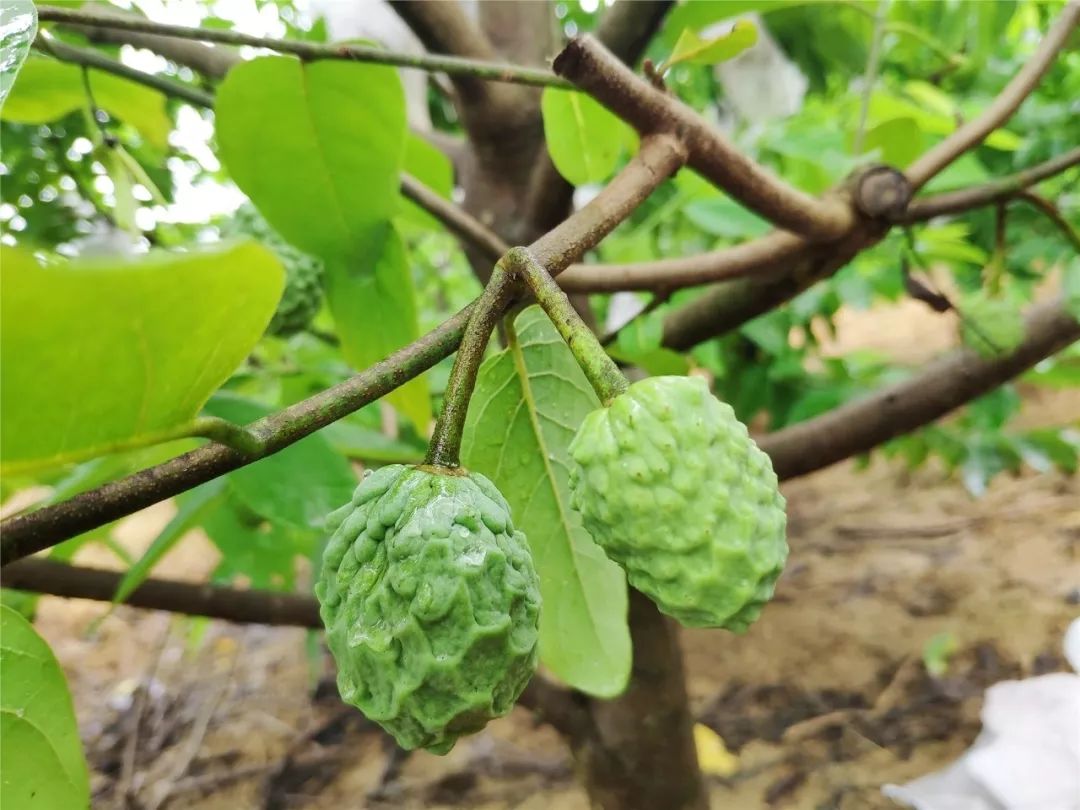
(18, 27)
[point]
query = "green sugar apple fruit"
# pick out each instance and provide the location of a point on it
(303, 295)
(673, 488)
(991, 326)
(430, 602)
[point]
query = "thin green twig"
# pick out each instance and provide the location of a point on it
(451, 65)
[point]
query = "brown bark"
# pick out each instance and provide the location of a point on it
(639, 751)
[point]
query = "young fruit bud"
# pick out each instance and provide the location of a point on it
(671, 486)
(430, 602)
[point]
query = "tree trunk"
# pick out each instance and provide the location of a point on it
(637, 751)
(640, 752)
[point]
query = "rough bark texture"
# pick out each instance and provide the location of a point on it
(639, 751)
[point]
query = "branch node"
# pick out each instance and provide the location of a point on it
(881, 192)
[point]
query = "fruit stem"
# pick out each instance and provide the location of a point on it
(601, 371)
(445, 448)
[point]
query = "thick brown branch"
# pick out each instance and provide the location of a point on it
(972, 133)
(28, 533)
(955, 202)
(259, 607)
(590, 66)
(942, 386)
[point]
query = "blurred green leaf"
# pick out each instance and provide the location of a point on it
(936, 653)
(41, 759)
(47, 90)
(899, 140)
(584, 139)
(99, 352)
(692, 49)
(432, 168)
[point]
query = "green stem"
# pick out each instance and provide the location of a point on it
(601, 371)
(231, 435)
(445, 448)
(451, 65)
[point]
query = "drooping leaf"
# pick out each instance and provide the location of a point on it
(299, 485)
(584, 139)
(97, 353)
(329, 184)
(529, 401)
(193, 506)
(698, 16)
(18, 26)
(692, 49)
(41, 759)
(899, 140)
(328, 180)
(374, 308)
(47, 90)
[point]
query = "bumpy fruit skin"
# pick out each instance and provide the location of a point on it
(303, 294)
(430, 602)
(991, 326)
(671, 486)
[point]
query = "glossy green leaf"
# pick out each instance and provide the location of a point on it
(101, 353)
(432, 168)
(299, 485)
(529, 401)
(584, 139)
(47, 89)
(693, 50)
(18, 26)
(899, 139)
(374, 308)
(41, 760)
(329, 180)
(885, 107)
(192, 507)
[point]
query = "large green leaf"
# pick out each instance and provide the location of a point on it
(374, 308)
(47, 90)
(41, 759)
(697, 16)
(102, 353)
(529, 401)
(299, 485)
(584, 139)
(330, 177)
(18, 25)
(328, 183)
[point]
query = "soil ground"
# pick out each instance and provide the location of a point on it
(822, 702)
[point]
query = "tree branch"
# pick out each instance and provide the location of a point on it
(88, 57)
(1051, 212)
(451, 65)
(24, 534)
(954, 202)
(972, 133)
(40, 575)
(590, 66)
(456, 219)
(942, 386)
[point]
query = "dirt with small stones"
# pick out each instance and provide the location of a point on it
(825, 699)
